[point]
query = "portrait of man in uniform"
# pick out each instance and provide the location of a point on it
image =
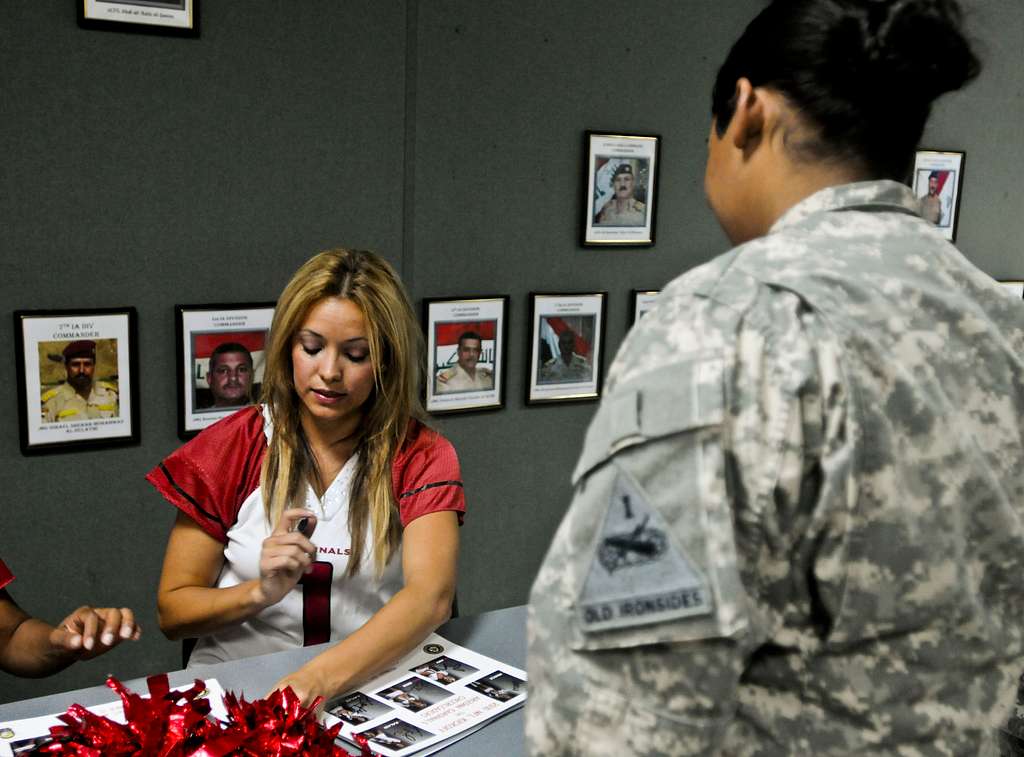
(620, 181)
(465, 362)
(466, 375)
(937, 181)
(567, 365)
(623, 208)
(566, 347)
(935, 202)
(82, 394)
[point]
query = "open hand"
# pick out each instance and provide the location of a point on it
(91, 631)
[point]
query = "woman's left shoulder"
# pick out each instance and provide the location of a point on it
(421, 440)
(426, 475)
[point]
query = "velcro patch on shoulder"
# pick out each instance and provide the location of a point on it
(639, 574)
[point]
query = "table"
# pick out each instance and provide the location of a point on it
(500, 634)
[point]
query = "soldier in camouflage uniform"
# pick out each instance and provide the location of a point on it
(466, 375)
(796, 526)
(623, 209)
(82, 397)
(567, 367)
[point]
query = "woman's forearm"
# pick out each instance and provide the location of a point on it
(399, 626)
(188, 601)
(197, 610)
(409, 617)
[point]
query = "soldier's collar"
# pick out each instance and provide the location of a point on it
(874, 195)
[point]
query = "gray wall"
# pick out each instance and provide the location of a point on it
(447, 135)
(502, 100)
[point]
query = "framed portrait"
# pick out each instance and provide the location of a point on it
(566, 343)
(937, 181)
(77, 378)
(1015, 288)
(466, 339)
(620, 189)
(642, 300)
(221, 356)
(178, 17)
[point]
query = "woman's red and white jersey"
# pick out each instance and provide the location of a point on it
(5, 575)
(215, 480)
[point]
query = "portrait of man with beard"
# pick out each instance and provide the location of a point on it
(81, 396)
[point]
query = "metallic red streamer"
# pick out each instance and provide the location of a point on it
(177, 724)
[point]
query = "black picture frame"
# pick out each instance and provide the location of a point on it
(946, 169)
(166, 17)
(612, 160)
(59, 421)
(446, 319)
(551, 315)
(200, 329)
(640, 301)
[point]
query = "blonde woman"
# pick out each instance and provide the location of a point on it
(329, 512)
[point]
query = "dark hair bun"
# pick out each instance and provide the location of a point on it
(918, 45)
(885, 51)
(864, 72)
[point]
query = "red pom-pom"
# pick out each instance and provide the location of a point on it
(175, 724)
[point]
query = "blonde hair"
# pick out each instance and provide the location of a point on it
(396, 352)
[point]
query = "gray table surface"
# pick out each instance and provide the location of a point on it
(500, 634)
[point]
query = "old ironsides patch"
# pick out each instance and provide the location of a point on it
(639, 574)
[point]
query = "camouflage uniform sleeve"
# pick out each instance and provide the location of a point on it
(673, 564)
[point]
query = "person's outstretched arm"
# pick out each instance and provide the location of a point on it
(33, 648)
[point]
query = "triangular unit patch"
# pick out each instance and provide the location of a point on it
(638, 574)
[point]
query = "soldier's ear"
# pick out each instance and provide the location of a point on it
(747, 123)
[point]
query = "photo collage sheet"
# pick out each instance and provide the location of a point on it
(435, 695)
